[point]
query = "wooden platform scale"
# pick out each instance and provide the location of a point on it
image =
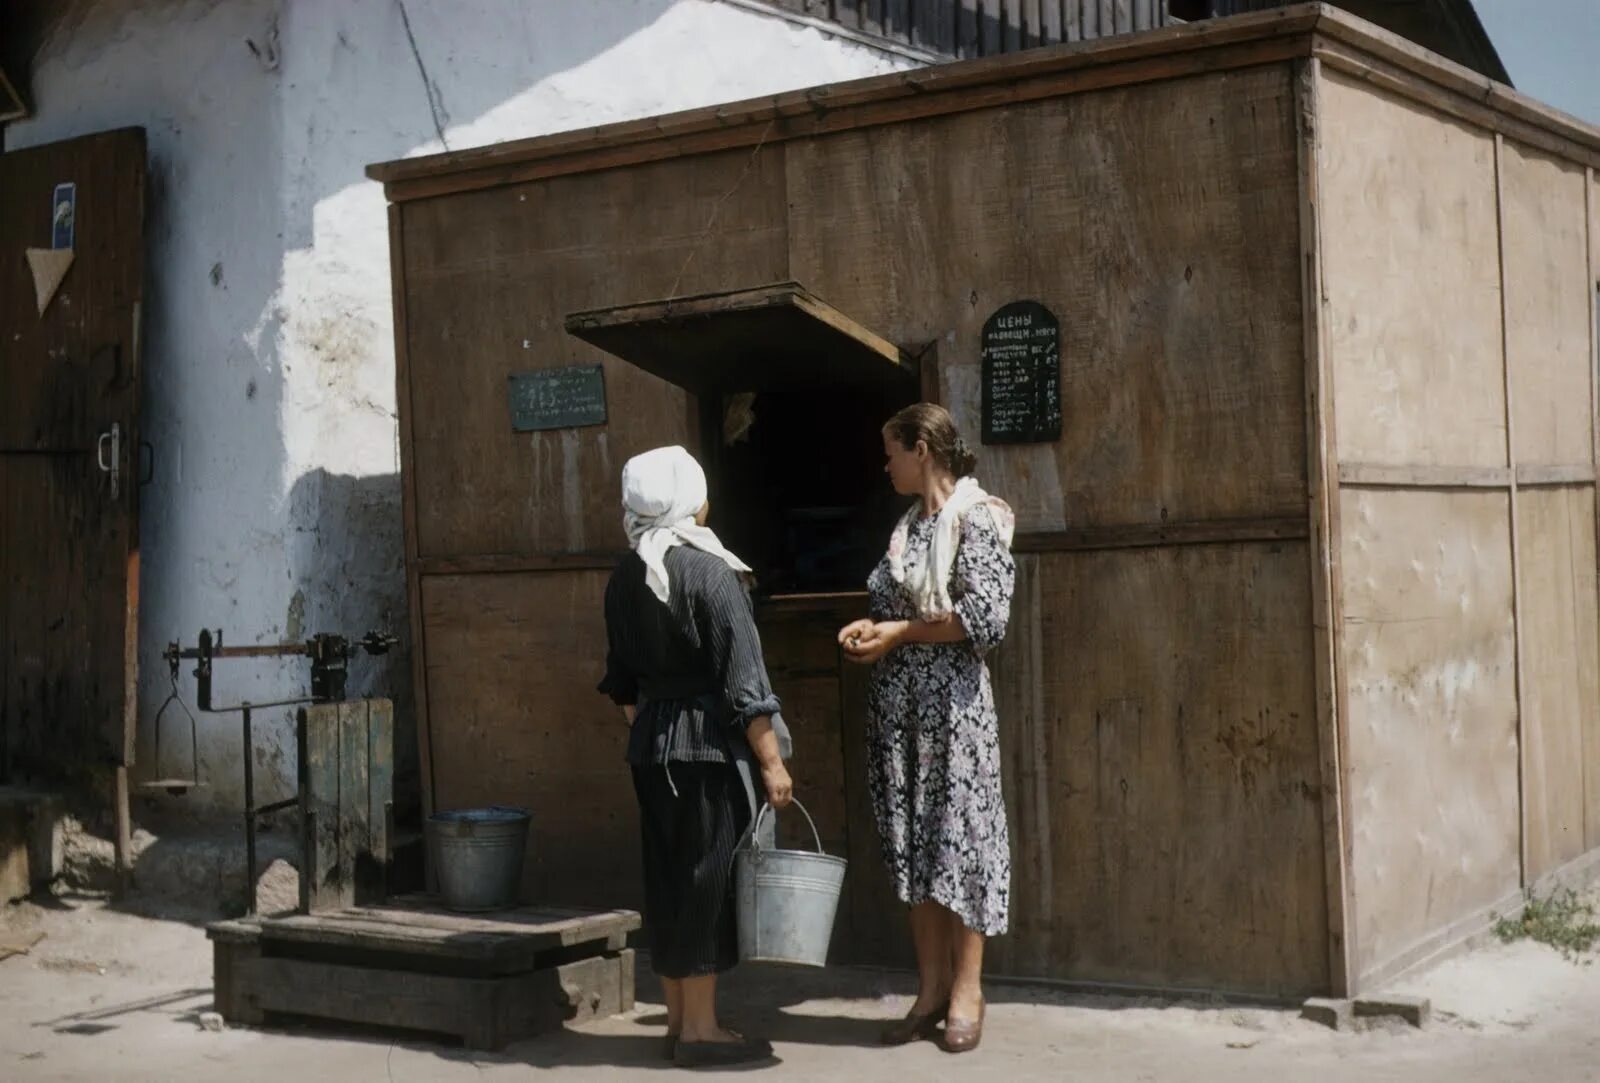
(488, 979)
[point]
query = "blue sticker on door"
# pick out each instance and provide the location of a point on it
(64, 216)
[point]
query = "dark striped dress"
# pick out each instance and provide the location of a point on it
(695, 672)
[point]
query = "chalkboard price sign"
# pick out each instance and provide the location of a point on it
(1021, 354)
(564, 398)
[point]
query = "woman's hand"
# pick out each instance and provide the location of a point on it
(875, 640)
(774, 775)
(780, 789)
(852, 633)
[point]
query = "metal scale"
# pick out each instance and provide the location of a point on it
(330, 659)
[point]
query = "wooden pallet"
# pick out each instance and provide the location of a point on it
(488, 979)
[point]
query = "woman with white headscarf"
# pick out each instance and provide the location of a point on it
(684, 663)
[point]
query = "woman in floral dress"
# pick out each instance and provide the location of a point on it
(940, 600)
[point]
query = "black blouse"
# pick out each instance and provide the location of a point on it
(693, 668)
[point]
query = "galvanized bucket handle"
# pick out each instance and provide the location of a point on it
(755, 838)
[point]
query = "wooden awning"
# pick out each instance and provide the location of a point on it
(768, 338)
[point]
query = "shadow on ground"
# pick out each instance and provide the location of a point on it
(839, 1007)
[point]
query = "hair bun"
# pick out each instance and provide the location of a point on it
(965, 461)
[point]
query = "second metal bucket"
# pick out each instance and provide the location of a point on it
(477, 855)
(786, 899)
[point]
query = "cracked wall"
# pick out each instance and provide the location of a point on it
(269, 370)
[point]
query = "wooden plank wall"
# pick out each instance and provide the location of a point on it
(1548, 291)
(1157, 706)
(347, 786)
(513, 660)
(490, 278)
(69, 547)
(1163, 770)
(1591, 723)
(506, 524)
(1460, 334)
(1137, 216)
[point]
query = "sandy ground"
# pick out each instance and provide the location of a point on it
(114, 996)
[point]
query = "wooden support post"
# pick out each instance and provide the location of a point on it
(233, 948)
(1591, 802)
(1516, 556)
(1322, 471)
(124, 842)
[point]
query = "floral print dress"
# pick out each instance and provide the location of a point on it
(933, 738)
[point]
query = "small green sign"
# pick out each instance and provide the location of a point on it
(564, 398)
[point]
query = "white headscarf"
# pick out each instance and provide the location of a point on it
(662, 491)
(929, 583)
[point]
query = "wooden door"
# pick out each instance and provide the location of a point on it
(69, 455)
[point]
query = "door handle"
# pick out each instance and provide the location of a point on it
(113, 466)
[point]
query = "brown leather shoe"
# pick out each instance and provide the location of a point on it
(914, 1028)
(961, 1035)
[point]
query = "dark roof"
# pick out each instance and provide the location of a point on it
(938, 30)
(1450, 28)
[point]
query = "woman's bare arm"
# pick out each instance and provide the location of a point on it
(921, 631)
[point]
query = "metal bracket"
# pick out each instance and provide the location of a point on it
(114, 465)
(330, 658)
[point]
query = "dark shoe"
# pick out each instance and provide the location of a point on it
(914, 1028)
(669, 1044)
(720, 1054)
(963, 1036)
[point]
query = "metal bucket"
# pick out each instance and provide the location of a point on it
(477, 855)
(786, 899)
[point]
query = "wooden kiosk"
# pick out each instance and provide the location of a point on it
(1302, 676)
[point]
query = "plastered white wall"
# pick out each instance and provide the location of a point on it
(269, 391)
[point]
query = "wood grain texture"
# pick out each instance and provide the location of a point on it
(355, 798)
(69, 540)
(1179, 719)
(1591, 730)
(486, 1013)
(1383, 59)
(1519, 655)
(231, 957)
(1323, 497)
(702, 344)
(1418, 379)
(1343, 40)
(325, 884)
(1549, 306)
(373, 861)
(1178, 404)
(1428, 641)
(804, 663)
(480, 310)
(1164, 787)
(408, 503)
(763, 123)
(513, 661)
(1561, 668)
(504, 943)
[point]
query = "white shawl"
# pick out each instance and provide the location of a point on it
(929, 583)
(662, 491)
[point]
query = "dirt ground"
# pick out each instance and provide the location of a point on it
(108, 995)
